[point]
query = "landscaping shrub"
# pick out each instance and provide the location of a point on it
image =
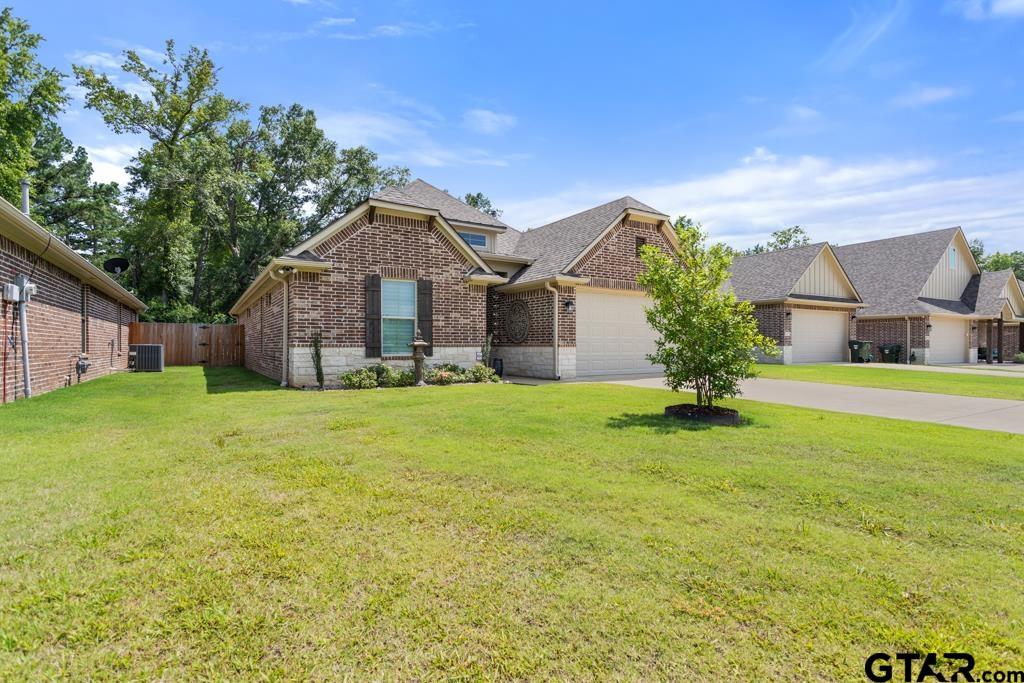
(482, 373)
(443, 377)
(400, 378)
(1019, 358)
(363, 378)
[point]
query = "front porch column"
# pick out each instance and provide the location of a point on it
(988, 356)
(1000, 330)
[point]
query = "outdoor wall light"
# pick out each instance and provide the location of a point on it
(974, 328)
(789, 314)
(928, 327)
(853, 316)
(569, 305)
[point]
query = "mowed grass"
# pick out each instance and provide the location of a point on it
(210, 526)
(958, 384)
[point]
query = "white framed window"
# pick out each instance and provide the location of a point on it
(397, 316)
(952, 258)
(474, 239)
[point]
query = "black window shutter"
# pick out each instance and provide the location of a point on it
(373, 316)
(425, 312)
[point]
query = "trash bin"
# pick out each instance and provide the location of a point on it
(860, 351)
(890, 353)
(498, 366)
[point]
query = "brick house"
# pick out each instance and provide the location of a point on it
(76, 313)
(926, 293)
(561, 300)
(803, 299)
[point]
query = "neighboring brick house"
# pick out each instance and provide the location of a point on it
(77, 312)
(926, 293)
(803, 299)
(416, 257)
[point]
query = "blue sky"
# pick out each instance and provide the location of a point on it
(856, 120)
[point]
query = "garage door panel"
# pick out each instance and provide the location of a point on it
(819, 336)
(947, 341)
(612, 335)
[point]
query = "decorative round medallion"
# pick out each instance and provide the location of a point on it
(518, 324)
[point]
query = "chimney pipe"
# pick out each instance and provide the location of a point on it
(24, 196)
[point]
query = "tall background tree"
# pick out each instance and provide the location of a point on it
(30, 95)
(1013, 260)
(481, 202)
(216, 193)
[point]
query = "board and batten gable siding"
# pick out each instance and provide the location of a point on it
(949, 283)
(395, 247)
(1011, 292)
(824, 278)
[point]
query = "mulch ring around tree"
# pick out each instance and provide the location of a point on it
(714, 415)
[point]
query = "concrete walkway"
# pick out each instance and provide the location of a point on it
(1008, 370)
(993, 414)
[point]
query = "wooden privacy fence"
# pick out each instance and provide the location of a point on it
(193, 343)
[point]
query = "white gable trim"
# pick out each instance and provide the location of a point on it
(663, 224)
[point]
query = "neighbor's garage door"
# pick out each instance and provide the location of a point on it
(612, 336)
(820, 336)
(948, 343)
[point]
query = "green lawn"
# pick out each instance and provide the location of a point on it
(191, 526)
(958, 384)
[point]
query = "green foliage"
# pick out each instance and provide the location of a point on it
(787, 238)
(480, 202)
(363, 378)
(316, 352)
(481, 373)
(977, 250)
(1013, 260)
(707, 338)
(487, 350)
(30, 95)
(1019, 358)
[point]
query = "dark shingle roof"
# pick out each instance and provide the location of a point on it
(555, 245)
(983, 293)
(425, 196)
(890, 273)
(772, 275)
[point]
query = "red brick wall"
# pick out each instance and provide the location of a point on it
(880, 331)
(773, 322)
(263, 341)
(1011, 337)
(614, 261)
(54, 317)
(539, 303)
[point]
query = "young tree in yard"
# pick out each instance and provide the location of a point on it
(706, 337)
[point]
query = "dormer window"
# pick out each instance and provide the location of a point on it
(474, 239)
(952, 258)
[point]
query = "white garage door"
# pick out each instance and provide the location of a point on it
(820, 336)
(948, 343)
(612, 336)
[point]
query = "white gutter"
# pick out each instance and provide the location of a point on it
(554, 326)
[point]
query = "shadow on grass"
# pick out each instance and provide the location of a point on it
(228, 380)
(666, 425)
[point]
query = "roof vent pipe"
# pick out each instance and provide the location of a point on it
(24, 196)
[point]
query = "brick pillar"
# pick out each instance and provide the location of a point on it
(988, 356)
(1000, 326)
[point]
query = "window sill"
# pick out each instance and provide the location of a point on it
(384, 358)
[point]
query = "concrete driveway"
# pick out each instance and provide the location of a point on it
(993, 414)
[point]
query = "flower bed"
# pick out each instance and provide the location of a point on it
(382, 376)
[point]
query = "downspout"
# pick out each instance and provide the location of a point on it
(554, 326)
(23, 294)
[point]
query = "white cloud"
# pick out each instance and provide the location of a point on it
(401, 30)
(488, 122)
(102, 60)
(804, 113)
(838, 202)
(335, 21)
(402, 139)
(761, 155)
(988, 9)
(922, 95)
(108, 162)
(1012, 117)
(865, 29)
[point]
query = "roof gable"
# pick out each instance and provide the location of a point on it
(556, 246)
(422, 194)
(825, 278)
(890, 274)
(772, 275)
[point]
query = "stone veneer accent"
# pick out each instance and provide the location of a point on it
(337, 360)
